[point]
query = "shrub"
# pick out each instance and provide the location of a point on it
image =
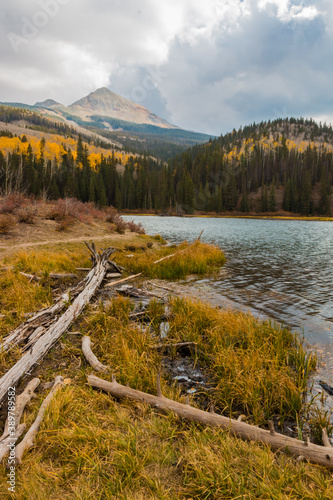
(75, 210)
(12, 202)
(120, 225)
(7, 223)
(111, 215)
(27, 215)
(65, 223)
(135, 228)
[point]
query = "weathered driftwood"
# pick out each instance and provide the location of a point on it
(113, 283)
(8, 443)
(112, 275)
(13, 429)
(28, 440)
(167, 257)
(21, 402)
(25, 332)
(317, 454)
(44, 317)
(90, 284)
(30, 277)
(90, 356)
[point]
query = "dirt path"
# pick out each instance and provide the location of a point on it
(52, 241)
(44, 233)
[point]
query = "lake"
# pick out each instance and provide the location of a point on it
(277, 268)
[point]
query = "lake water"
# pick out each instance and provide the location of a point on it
(280, 269)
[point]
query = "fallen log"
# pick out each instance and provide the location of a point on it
(13, 429)
(322, 455)
(25, 332)
(90, 356)
(90, 284)
(28, 440)
(44, 317)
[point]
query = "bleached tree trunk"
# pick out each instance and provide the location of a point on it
(28, 440)
(322, 455)
(54, 332)
(13, 429)
(90, 356)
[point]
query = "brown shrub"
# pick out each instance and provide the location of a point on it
(111, 215)
(75, 210)
(121, 225)
(12, 202)
(7, 223)
(135, 228)
(27, 215)
(65, 223)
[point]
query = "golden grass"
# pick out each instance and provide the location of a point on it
(194, 258)
(93, 446)
(259, 369)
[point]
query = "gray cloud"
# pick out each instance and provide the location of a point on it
(208, 65)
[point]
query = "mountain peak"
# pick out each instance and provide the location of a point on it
(104, 102)
(48, 103)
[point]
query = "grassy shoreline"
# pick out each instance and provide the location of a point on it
(93, 446)
(232, 216)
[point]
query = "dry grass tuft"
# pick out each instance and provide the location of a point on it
(194, 258)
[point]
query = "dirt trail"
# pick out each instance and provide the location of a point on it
(44, 233)
(52, 241)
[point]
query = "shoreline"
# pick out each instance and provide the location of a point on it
(229, 216)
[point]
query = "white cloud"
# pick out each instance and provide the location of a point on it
(208, 65)
(286, 11)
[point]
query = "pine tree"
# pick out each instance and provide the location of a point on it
(324, 207)
(92, 193)
(272, 199)
(264, 198)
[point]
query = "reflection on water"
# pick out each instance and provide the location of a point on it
(283, 269)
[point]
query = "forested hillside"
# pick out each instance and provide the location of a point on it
(248, 168)
(281, 165)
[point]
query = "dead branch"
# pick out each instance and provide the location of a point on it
(15, 415)
(90, 284)
(164, 258)
(325, 439)
(314, 453)
(113, 283)
(28, 440)
(90, 356)
(30, 277)
(9, 442)
(13, 429)
(112, 275)
(44, 317)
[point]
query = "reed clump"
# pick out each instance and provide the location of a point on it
(258, 369)
(189, 258)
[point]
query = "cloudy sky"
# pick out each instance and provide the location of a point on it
(205, 65)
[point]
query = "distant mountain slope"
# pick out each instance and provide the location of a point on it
(49, 103)
(120, 121)
(285, 165)
(105, 103)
